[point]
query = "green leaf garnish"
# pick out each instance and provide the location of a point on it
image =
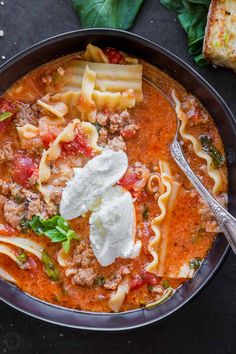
(5, 115)
(145, 213)
(209, 148)
(165, 284)
(192, 15)
(49, 266)
(100, 281)
(195, 263)
(56, 228)
(22, 257)
(107, 13)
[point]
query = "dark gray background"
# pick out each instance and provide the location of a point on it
(208, 324)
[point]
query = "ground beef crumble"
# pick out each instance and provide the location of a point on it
(114, 127)
(116, 144)
(20, 204)
(27, 114)
(84, 277)
(6, 152)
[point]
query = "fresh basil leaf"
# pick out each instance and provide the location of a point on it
(36, 225)
(56, 228)
(5, 115)
(66, 246)
(192, 15)
(107, 13)
(208, 146)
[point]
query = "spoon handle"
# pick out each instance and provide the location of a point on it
(225, 220)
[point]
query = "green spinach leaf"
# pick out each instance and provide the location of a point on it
(56, 228)
(107, 13)
(192, 15)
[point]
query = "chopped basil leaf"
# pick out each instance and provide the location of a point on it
(22, 257)
(145, 213)
(100, 281)
(49, 266)
(165, 284)
(5, 115)
(56, 228)
(209, 148)
(150, 288)
(18, 198)
(195, 263)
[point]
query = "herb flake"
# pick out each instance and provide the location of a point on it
(209, 148)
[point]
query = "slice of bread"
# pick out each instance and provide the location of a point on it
(220, 36)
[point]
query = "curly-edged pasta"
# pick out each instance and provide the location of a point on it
(86, 105)
(109, 78)
(67, 134)
(59, 109)
(170, 189)
(95, 54)
(213, 172)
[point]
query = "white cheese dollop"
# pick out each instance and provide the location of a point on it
(113, 227)
(85, 190)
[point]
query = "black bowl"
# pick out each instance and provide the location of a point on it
(75, 41)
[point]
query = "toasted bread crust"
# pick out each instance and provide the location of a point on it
(220, 35)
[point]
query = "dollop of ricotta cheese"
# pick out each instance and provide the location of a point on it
(112, 222)
(85, 190)
(113, 227)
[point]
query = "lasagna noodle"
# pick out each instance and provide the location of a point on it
(54, 151)
(111, 100)
(27, 131)
(109, 78)
(25, 244)
(5, 275)
(214, 173)
(86, 105)
(118, 298)
(95, 54)
(165, 201)
(8, 251)
(59, 109)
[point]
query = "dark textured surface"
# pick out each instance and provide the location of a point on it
(208, 324)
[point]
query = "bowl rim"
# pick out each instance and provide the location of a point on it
(40, 309)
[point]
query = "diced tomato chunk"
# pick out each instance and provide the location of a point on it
(6, 230)
(78, 145)
(6, 106)
(150, 279)
(128, 134)
(128, 180)
(113, 55)
(136, 283)
(144, 278)
(23, 168)
(47, 139)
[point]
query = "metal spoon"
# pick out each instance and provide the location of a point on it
(225, 220)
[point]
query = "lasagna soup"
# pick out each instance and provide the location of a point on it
(95, 214)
